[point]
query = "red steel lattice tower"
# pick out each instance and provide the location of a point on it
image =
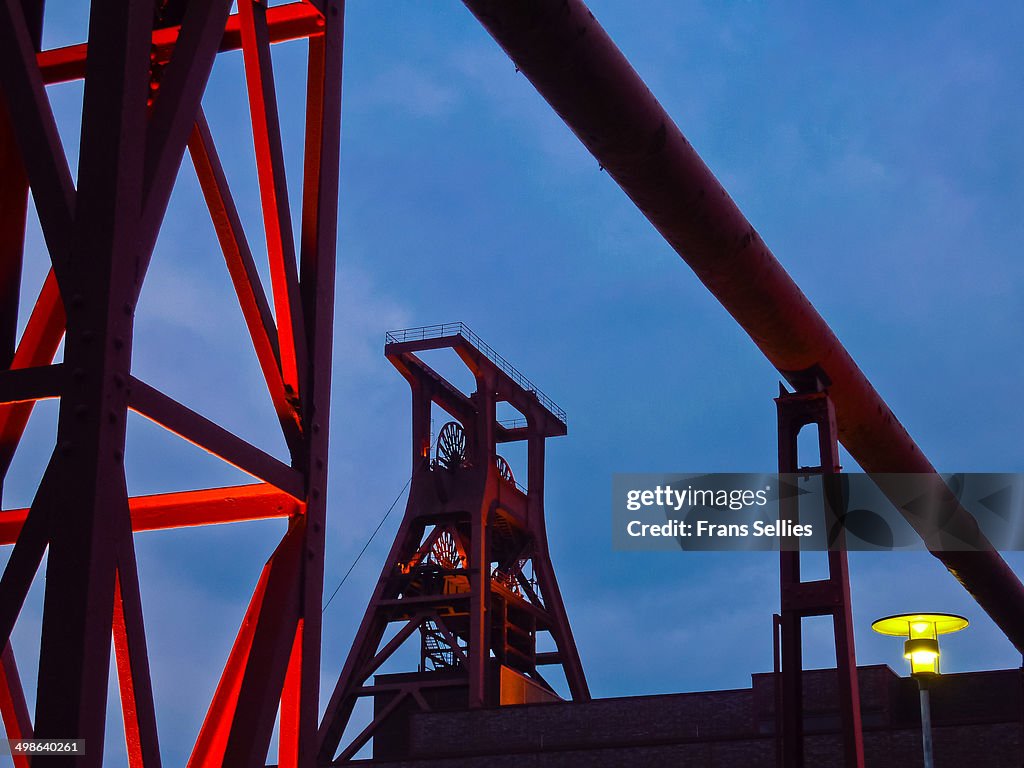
(145, 68)
(469, 570)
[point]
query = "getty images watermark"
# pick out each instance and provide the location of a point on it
(874, 512)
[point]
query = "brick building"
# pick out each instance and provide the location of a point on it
(977, 720)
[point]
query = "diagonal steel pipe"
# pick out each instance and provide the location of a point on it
(569, 58)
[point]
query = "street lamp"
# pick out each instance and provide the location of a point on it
(921, 648)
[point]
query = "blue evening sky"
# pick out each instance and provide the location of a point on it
(875, 147)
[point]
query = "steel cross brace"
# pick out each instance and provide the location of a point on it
(143, 87)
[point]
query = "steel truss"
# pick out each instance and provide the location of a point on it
(145, 67)
(457, 572)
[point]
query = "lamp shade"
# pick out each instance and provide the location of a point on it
(922, 631)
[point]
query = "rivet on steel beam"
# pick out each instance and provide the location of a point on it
(118, 380)
(66, 447)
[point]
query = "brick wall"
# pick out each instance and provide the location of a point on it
(977, 718)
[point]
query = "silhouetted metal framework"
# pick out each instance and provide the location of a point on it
(469, 570)
(830, 596)
(145, 67)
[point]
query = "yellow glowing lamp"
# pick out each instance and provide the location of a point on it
(922, 631)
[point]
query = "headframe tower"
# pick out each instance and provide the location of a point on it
(469, 571)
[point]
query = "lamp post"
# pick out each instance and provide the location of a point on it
(921, 648)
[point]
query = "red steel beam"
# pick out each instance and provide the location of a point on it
(277, 219)
(293, 21)
(90, 519)
(235, 731)
(33, 126)
(25, 557)
(13, 212)
(38, 345)
(208, 751)
(290, 715)
(317, 259)
(175, 108)
(270, 653)
(22, 385)
(184, 509)
(132, 662)
(13, 706)
(200, 431)
(235, 504)
(569, 58)
(252, 299)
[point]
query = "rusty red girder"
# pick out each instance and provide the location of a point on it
(292, 21)
(144, 81)
(569, 58)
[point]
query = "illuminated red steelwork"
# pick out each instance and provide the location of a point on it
(144, 80)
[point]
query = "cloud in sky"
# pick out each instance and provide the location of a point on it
(408, 89)
(876, 149)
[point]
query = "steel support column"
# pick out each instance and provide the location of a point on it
(823, 597)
